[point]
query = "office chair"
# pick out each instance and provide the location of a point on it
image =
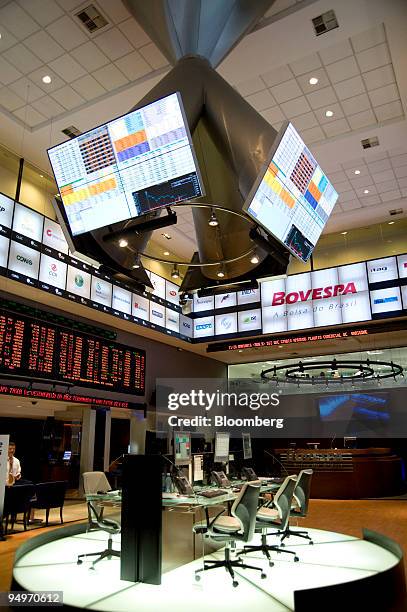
(229, 529)
(276, 518)
(94, 482)
(301, 495)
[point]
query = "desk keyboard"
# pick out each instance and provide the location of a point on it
(213, 493)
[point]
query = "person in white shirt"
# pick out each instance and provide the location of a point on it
(13, 465)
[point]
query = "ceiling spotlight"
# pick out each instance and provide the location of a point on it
(166, 253)
(357, 171)
(344, 233)
(391, 222)
(175, 272)
(123, 243)
(41, 176)
(221, 273)
(366, 191)
(329, 113)
(46, 79)
(213, 221)
(136, 264)
(313, 81)
(166, 236)
(254, 259)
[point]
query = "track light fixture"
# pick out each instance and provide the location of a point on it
(136, 264)
(221, 273)
(123, 243)
(213, 221)
(175, 272)
(254, 259)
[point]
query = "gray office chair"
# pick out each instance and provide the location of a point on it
(229, 529)
(276, 518)
(94, 482)
(301, 495)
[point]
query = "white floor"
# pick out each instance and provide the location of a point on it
(334, 558)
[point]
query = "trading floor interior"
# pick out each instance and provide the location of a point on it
(203, 305)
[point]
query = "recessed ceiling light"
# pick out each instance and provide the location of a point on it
(254, 259)
(344, 233)
(329, 113)
(221, 274)
(391, 222)
(41, 175)
(166, 253)
(46, 79)
(313, 81)
(166, 236)
(123, 243)
(357, 171)
(366, 191)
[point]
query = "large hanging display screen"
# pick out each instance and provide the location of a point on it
(125, 168)
(39, 350)
(292, 198)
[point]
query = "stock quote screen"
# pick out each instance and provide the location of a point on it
(39, 350)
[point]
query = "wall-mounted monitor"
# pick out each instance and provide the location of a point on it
(222, 447)
(182, 447)
(247, 446)
(357, 412)
(292, 198)
(125, 168)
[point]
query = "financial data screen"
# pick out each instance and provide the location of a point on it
(37, 349)
(294, 198)
(139, 162)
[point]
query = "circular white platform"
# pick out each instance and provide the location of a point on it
(333, 559)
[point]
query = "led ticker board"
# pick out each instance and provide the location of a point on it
(127, 167)
(39, 350)
(292, 198)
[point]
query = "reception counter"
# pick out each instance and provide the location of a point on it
(347, 473)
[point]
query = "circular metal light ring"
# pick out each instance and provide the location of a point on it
(204, 264)
(364, 371)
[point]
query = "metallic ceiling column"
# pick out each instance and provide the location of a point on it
(231, 138)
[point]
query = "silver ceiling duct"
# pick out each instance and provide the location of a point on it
(231, 139)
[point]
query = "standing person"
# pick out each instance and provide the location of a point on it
(13, 465)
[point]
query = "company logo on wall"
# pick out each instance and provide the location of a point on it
(79, 280)
(249, 320)
(28, 222)
(226, 323)
(380, 270)
(157, 314)
(24, 260)
(280, 297)
(140, 306)
(385, 300)
(6, 210)
(201, 326)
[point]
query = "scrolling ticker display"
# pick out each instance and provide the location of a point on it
(292, 198)
(127, 167)
(39, 350)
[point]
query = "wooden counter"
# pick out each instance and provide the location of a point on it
(347, 473)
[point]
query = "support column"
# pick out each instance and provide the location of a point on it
(138, 427)
(108, 429)
(87, 443)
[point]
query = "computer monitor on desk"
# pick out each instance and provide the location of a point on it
(182, 448)
(247, 446)
(222, 447)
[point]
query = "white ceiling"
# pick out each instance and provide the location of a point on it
(43, 37)
(356, 81)
(361, 67)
